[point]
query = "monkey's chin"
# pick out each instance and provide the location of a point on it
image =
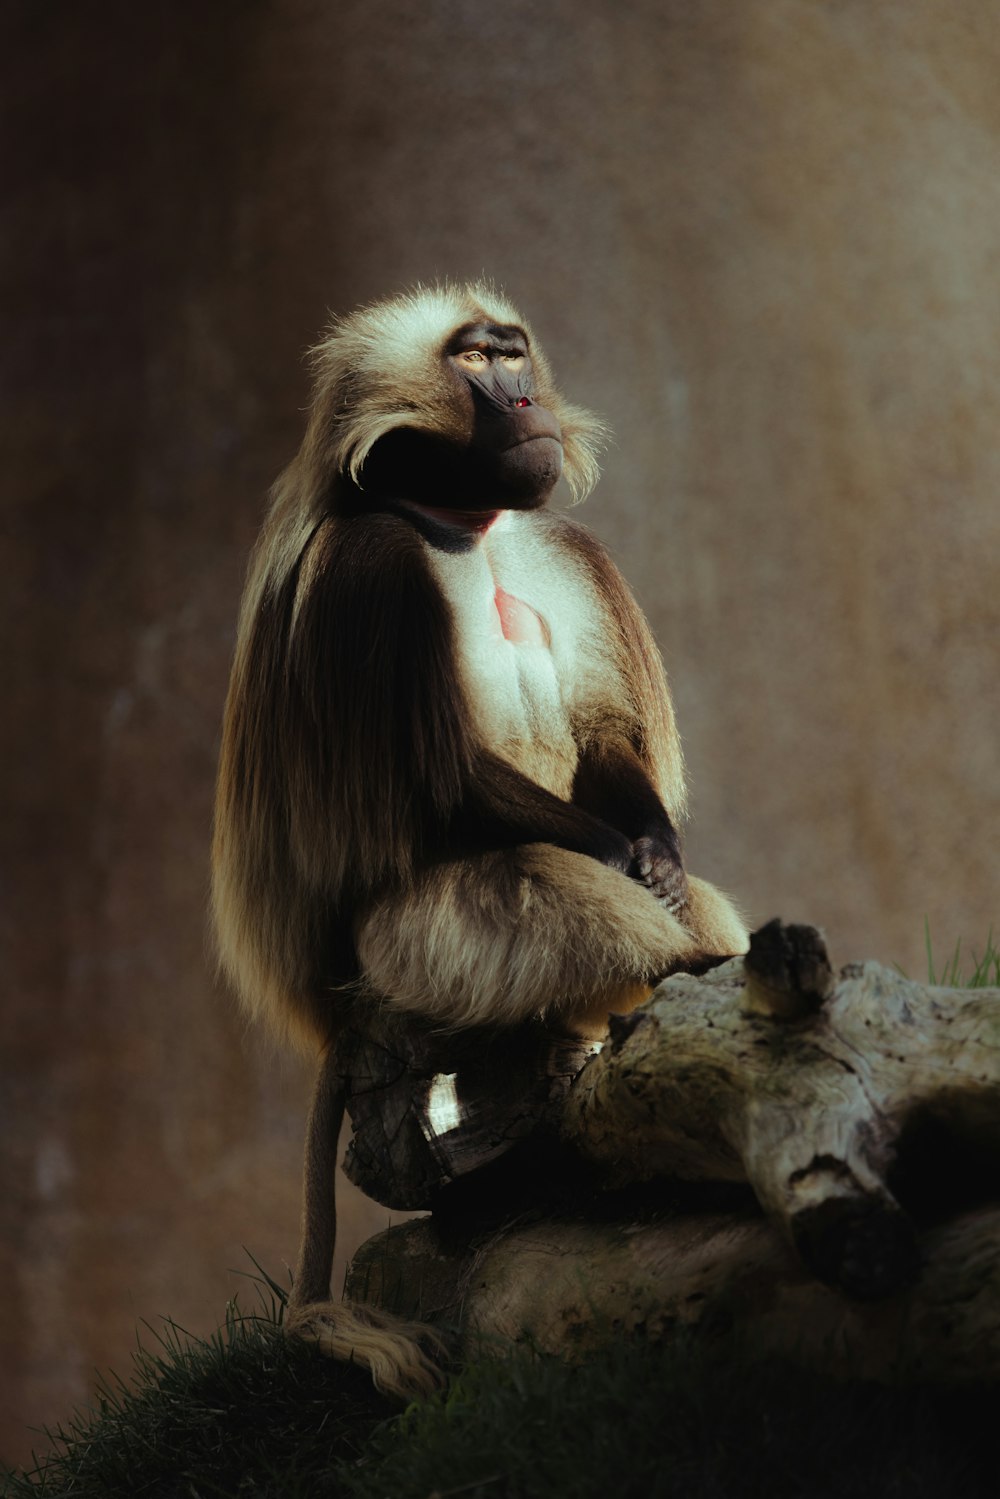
(426, 470)
(523, 476)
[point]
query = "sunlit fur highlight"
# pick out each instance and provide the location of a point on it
(373, 376)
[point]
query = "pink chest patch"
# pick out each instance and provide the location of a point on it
(518, 621)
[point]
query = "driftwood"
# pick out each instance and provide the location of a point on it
(862, 1110)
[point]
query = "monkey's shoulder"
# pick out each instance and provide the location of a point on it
(370, 566)
(364, 537)
(570, 535)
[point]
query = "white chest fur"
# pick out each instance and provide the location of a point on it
(530, 647)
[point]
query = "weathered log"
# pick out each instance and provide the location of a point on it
(862, 1109)
(819, 1093)
(565, 1287)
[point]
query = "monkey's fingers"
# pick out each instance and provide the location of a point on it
(656, 866)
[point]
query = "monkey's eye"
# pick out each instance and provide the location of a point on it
(514, 358)
(472, 356)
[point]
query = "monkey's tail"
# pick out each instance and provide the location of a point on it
(392, 1349)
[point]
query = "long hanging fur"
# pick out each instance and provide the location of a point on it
(372, 839)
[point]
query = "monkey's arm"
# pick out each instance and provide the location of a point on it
(502, 807)
(642, 716)
(612, 783)
(630, 769)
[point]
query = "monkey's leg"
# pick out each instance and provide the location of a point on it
(715, 927)
(389, 1347)
(518, 933)
(714, 924)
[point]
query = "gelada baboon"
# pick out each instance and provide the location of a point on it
(450, 775)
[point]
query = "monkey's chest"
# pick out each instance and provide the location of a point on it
(512, 648)
(519, 622)
(509, 668)
(530, 645)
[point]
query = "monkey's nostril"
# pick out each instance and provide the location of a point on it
(523, 402)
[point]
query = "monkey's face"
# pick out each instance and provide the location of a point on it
(514, 443)
(504, 449)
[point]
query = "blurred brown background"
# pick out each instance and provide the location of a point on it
(762, 238)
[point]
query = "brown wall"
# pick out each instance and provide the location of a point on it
(760, 237)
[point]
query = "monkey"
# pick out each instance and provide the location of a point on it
(450, 778)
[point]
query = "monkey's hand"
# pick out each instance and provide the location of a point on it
(610, 847)
(656, 863)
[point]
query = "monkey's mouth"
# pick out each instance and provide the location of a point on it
(502, 429)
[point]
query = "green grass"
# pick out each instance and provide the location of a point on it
(238, 1413)
(247, 1413)
(956, 973)
(677, 1422)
